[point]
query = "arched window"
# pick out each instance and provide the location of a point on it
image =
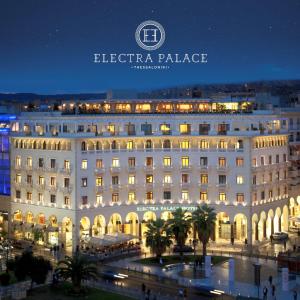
(167, 144)
(113, 145)
(83, 146)
(240, 144)
(98, 146)
(148, 144)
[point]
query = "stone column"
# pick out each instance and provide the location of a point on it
(272, 225)
(256, 231)
(279, 223)
(265, 228)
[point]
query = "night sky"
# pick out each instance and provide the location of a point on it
(48, 46)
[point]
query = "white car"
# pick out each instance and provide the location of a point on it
(280, 236)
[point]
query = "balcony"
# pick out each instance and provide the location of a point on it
(116, 186)
(40, 187)
(65, 171)
(99, 189)
(167, 184)
(131, 168)
(203, 167)
(66, 189)
(115, 169)
(52, 188)
(186, 168)
(99, 171)
(149, 168)
(52, 170)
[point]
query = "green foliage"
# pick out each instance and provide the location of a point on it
(158, 236)
(76, 268)
(180, 226)
(204, 219)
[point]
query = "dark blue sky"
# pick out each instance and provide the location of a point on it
(47, 46)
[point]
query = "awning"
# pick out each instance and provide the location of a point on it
(109, 239)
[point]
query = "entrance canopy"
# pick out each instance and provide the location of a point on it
(111, 239)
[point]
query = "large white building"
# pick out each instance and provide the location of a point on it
(110, 166)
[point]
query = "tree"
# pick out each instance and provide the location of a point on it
(39, 269)
(180, 226)
(76, 268)
(204, 219)
(158, 237)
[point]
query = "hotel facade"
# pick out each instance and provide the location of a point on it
(87, 170)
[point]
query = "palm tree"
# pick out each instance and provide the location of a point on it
(158, 237)
(204, 219)
(180, 226)
(76, 268)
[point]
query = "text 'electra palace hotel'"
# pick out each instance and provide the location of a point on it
(108, 166)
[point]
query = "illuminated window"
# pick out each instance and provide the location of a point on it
(222, 162)
(99, 199)
(131, 162)
(41, 197)
(84, 182)
(254, 162)
(148, 144)
(270, 193)
(115, 197)
(204, 144)
(165, 129)
(185, 195)
(149, 196)
(222, 196)
(29, 162)
(123, 107)
(99, 163)
(240, 197)
(254, 197)
(167, 178)
(18, 161)
(184, 178)
(129, 145)
(115, 162)
(204, 178)
(239, 161)
(143, 108)
(131, 179)
(52, 181)
(203, 196)
(18, 178)
(167, 161)
(41, 180)
(239, 179)
(185, 145)
(99, 181)
(111, 129)
(84, 164)
(222, 144)
(67, 164)
(149, 178)
(131, 197)
(185, 161)
(67, 200)
(29, 196)
(185, 128)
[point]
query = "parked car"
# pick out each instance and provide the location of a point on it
(185, 248)
(111, 275)
(280, 236)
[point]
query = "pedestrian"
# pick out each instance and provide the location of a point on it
(185, 294)
(143, 288)
(273, 291)
(265, 293)
(270, 280)
(295, 295)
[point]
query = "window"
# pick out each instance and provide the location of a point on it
(131, 197)
(166, 144)
(131, 179)
(204, 144)
(66, 182)
(203, 161)
(270, 193)
(262, 195)
(270, 159)
(147, 129)
(84, 200)
(41, 180)
(99, 199)
(284, 157)
(84, 164)
(262, 160)
(184, 178)
(240, 144)
(29, 162)
(52, 163)
(115, 163)
(222, 144)
(111, 129)
(67, 165)
(167, 161)
(222, 162)
(277, 158)
(29, 179)
(222, 179)
(185, 145)
(53, 198)
(129, 145)
(239, 179)
(115, 197)
(67, 200)
(148, 144)
(203, 196)
(222, 128)
(40, 197)
(222, 196)
(204, 129)
(29, 196)
(18, 161)
(254, 162)
(239, 197)
(270, 177)
(84, 182)
(165, 129)
(254, 179)
(185, 128)
(131, 162)
(167, 178)
(114, 145)
(18, 194)
(115, 180)
(130, 129)
(204, 178)
(167, 195)
(185, 195)
(52, 181)
(254, 197)
(239, 161)
(149, 178)
(277, 175)
(149, 161)
(149, 196)
(99, 181)
(99, 163)
(185, 161)
(41, 162)
(18, 178)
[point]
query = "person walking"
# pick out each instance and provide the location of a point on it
(295, 295)
(265, 293)
(143, 288)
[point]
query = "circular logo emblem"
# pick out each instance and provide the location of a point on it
(150, 35)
